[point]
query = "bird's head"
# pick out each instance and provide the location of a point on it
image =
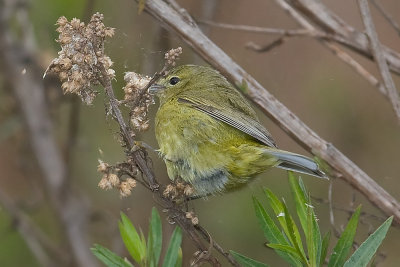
(184, 78)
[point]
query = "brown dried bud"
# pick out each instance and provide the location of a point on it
(102, 167)
(170, 190)
(105, 183)
(180, 186)
(114, 180)
(124, 189)
(131, 182)
(195, 220)
(188, 191)
(62, 21)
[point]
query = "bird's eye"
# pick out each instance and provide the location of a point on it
(174, 80)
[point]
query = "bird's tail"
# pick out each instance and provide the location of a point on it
(298, 163)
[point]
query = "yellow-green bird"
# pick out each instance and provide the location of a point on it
(210, 136)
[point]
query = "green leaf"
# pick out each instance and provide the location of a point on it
(313, 238)
(301, 201)
(272, 232)
(154, 243)
(108, 257)
(171, 256)
(287, 249)
(135, 245)
(245, 261)
(324, 248)
(294, 234)
(343, 246)
(286, 221)
(367, 250)
(308, 221)
(180, 257)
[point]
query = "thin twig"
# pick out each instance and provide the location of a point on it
(379, 56)
(217, 246)
(312, 32)
(265, 48)
(323, 17)
(256, 29)
(386, 15)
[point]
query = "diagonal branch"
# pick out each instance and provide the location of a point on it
(288, 121)
(386, 15)
(379, 56)
(329, 21)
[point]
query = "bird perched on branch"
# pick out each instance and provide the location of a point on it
(210, 136)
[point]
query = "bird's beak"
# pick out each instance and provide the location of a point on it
(155, 88)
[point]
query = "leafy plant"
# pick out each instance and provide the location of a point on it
(145, 253)
(286, 240)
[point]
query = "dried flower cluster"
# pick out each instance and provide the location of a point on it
(134, 94)
(81, 60)
(172, 55)
(112, 180)
(180, 189)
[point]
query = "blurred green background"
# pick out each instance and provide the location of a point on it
(312, 82)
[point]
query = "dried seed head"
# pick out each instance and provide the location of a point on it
(125, 188)
(81, 56)
(105, 183)
(188, 191)
(172, 55)
(170, 190)
(114, 180)
(135, 83)
(102, 167)
(195, 220)
(131, 182)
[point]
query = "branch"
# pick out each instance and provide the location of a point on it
(310, 31)
(386, 15)
(288, 121)
(330, 22)
(379, 56)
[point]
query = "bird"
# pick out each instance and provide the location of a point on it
(209, 135)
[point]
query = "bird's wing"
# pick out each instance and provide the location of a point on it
(232, 116)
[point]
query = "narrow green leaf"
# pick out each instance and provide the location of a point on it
(367, 250)
(131, 238)
(284, 218)
(294, 234)
(314, 240)
(343, 246)
(173, 248)
(308, 221)
(272, 232)
(300, 198)
(108, 257)
(245, 261)
(179, 260)
(287, 249)
(154, 243)
(324, 248)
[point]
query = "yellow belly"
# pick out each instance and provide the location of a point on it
(205, 152)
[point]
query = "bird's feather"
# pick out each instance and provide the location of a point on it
(232, 116)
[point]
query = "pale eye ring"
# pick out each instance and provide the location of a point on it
(174, 80)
